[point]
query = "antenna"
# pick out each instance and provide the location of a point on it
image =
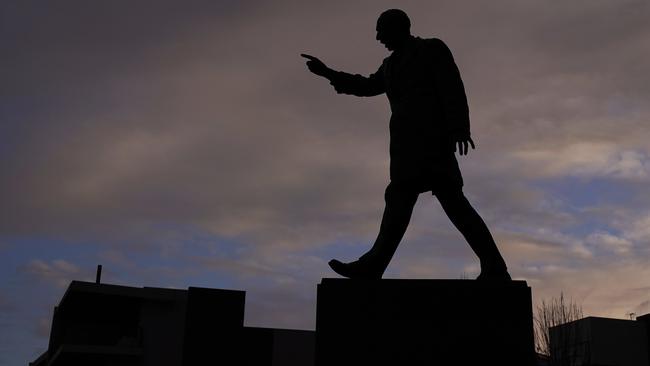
(98, 277)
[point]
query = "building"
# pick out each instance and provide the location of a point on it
(602, 342)
(358, 322)
(105, 325)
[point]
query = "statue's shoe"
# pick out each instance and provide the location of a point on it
(354, 270)
(501, 276)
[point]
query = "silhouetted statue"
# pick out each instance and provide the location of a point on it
(430, 117)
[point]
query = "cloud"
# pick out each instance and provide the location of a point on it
(587, 159)
(172, 136)
(637, 228)
(643, 307)
(6, 303)
(42, 329)
(610, 242)
(58, 272)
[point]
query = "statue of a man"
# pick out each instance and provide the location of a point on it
(429, 123)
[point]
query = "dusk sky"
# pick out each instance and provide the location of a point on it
(184, 143)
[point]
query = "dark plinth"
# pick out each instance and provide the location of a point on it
(423, 322)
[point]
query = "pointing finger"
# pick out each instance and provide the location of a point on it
(309, 57)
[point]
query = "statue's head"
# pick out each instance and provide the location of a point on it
(393, 29)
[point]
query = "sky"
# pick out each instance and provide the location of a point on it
(185, 144)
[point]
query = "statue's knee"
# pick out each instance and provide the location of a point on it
(399, 194)
(452, 198)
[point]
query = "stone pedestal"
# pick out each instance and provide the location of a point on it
(423, 322)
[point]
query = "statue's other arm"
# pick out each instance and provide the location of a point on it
(451, 90)
(345, 83)
(452, 93)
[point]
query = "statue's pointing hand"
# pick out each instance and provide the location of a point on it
(315, 65)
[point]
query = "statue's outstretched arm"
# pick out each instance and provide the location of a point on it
(345, 83)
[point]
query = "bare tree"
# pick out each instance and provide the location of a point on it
(568, 348)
